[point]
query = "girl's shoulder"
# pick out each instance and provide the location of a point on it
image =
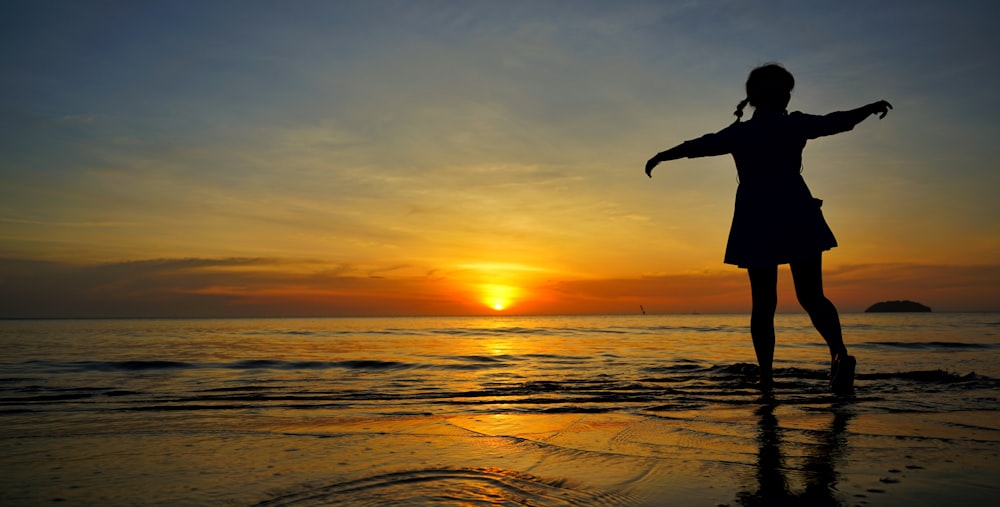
(815, 125)
(799, 119)
(799, 116)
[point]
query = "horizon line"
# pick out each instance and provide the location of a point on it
(480, 315)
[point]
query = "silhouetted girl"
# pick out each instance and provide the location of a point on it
(777, 220)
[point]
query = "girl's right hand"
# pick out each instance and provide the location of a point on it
(651, 163)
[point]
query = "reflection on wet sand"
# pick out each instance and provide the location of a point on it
(819, 471)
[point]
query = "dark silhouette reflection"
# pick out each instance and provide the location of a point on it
(819, 472)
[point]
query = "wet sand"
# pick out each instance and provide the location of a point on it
(761, 454)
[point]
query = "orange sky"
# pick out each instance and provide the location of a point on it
(452, 158)
(266, 287)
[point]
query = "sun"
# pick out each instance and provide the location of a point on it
(498, 297)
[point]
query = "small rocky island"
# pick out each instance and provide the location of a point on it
(897, 306)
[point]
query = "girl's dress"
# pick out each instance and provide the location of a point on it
(776, 219)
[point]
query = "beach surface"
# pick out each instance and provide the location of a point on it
(547, 429)
(763, 454)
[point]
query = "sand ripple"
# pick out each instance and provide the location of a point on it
(450, 486)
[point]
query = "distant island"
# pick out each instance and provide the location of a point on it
(897, 306)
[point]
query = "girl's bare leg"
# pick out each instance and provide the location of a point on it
(764, 293)
(808, 277)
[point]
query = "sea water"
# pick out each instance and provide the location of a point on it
(117, 397)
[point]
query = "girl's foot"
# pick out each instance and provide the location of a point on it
(842, 376)
(766, 380)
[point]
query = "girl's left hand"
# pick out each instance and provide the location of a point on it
(881, 108)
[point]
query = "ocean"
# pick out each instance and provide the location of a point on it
(497, 410)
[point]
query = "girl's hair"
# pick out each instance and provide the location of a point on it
(769, 84)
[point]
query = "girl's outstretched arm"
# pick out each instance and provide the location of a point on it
(672, 154)
(856, 116)
(707, 145)
(840, 121)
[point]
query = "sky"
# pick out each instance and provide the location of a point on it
(375, 157)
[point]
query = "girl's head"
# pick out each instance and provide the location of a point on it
(768, 87)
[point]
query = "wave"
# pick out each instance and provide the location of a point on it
(927, 376)
(403, 388)
(930, 345)
(456, 363)
(679, 369)
(274, 364)
(109, 366)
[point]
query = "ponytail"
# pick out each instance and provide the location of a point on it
(739, 109)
